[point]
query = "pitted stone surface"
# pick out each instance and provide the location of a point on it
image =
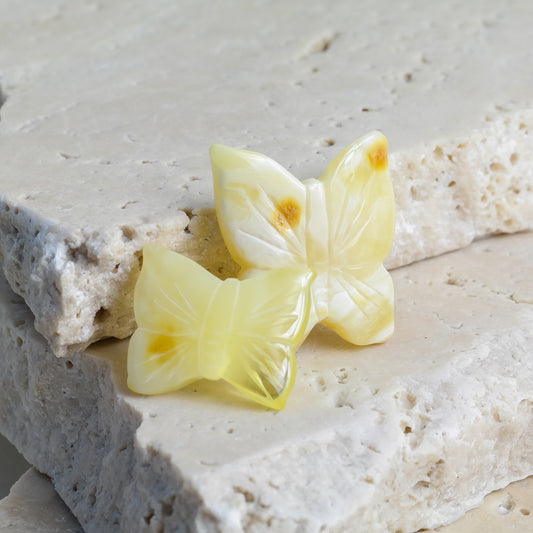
(34, 506)
(400, 436)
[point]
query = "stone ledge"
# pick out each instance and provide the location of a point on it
(405, 435)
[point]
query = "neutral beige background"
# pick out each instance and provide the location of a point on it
(12, 466)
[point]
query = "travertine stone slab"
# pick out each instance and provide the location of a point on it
(109, 110)
(33, 506)
(400, 436)
(508, 510)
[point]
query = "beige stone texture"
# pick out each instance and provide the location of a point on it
(109, 109)
(395, 437)
(33, 506)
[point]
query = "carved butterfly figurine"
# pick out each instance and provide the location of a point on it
(340, 226)
(191, 325)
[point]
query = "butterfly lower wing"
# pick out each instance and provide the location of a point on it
(361, 310)
(171, 298)
(270, 319)
(360, 204)
(158, 363)
(260, 209)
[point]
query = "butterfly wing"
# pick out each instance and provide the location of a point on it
(361, 310)
(269, 324)
(260, 209)
(171, 298)
(360, 203)
(361, 215)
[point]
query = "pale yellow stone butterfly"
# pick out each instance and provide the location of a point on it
(340, 226)
(191, 325)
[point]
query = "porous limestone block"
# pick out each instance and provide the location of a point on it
(105, 147)
(33, 506)
(394, 437)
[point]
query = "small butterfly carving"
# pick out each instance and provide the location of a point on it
(191, 325)
(340, 226)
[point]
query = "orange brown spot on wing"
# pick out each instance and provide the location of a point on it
(287, 214)
(162, 347)
(377, 154)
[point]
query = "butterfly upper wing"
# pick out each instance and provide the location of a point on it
(269, 322)
(360, 204)
(260, 209)
(361, 216)
(172, 296)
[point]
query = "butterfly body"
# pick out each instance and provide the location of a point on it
(213, 336)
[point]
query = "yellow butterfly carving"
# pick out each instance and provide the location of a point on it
(191, 325)
(340, 226)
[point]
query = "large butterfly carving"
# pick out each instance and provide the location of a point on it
(340, 226)
(191, 325)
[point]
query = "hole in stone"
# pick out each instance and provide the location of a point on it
(514, 158)
(129, 202)
(452, 183)
(148, 517)
(128, 232)
(69, 364)
(506, 506)
(248, 496)
(101, 315)
(20, 342)
(167, 507)
(525, 512)
(139, 256)
(497, 167)
(438, 151)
